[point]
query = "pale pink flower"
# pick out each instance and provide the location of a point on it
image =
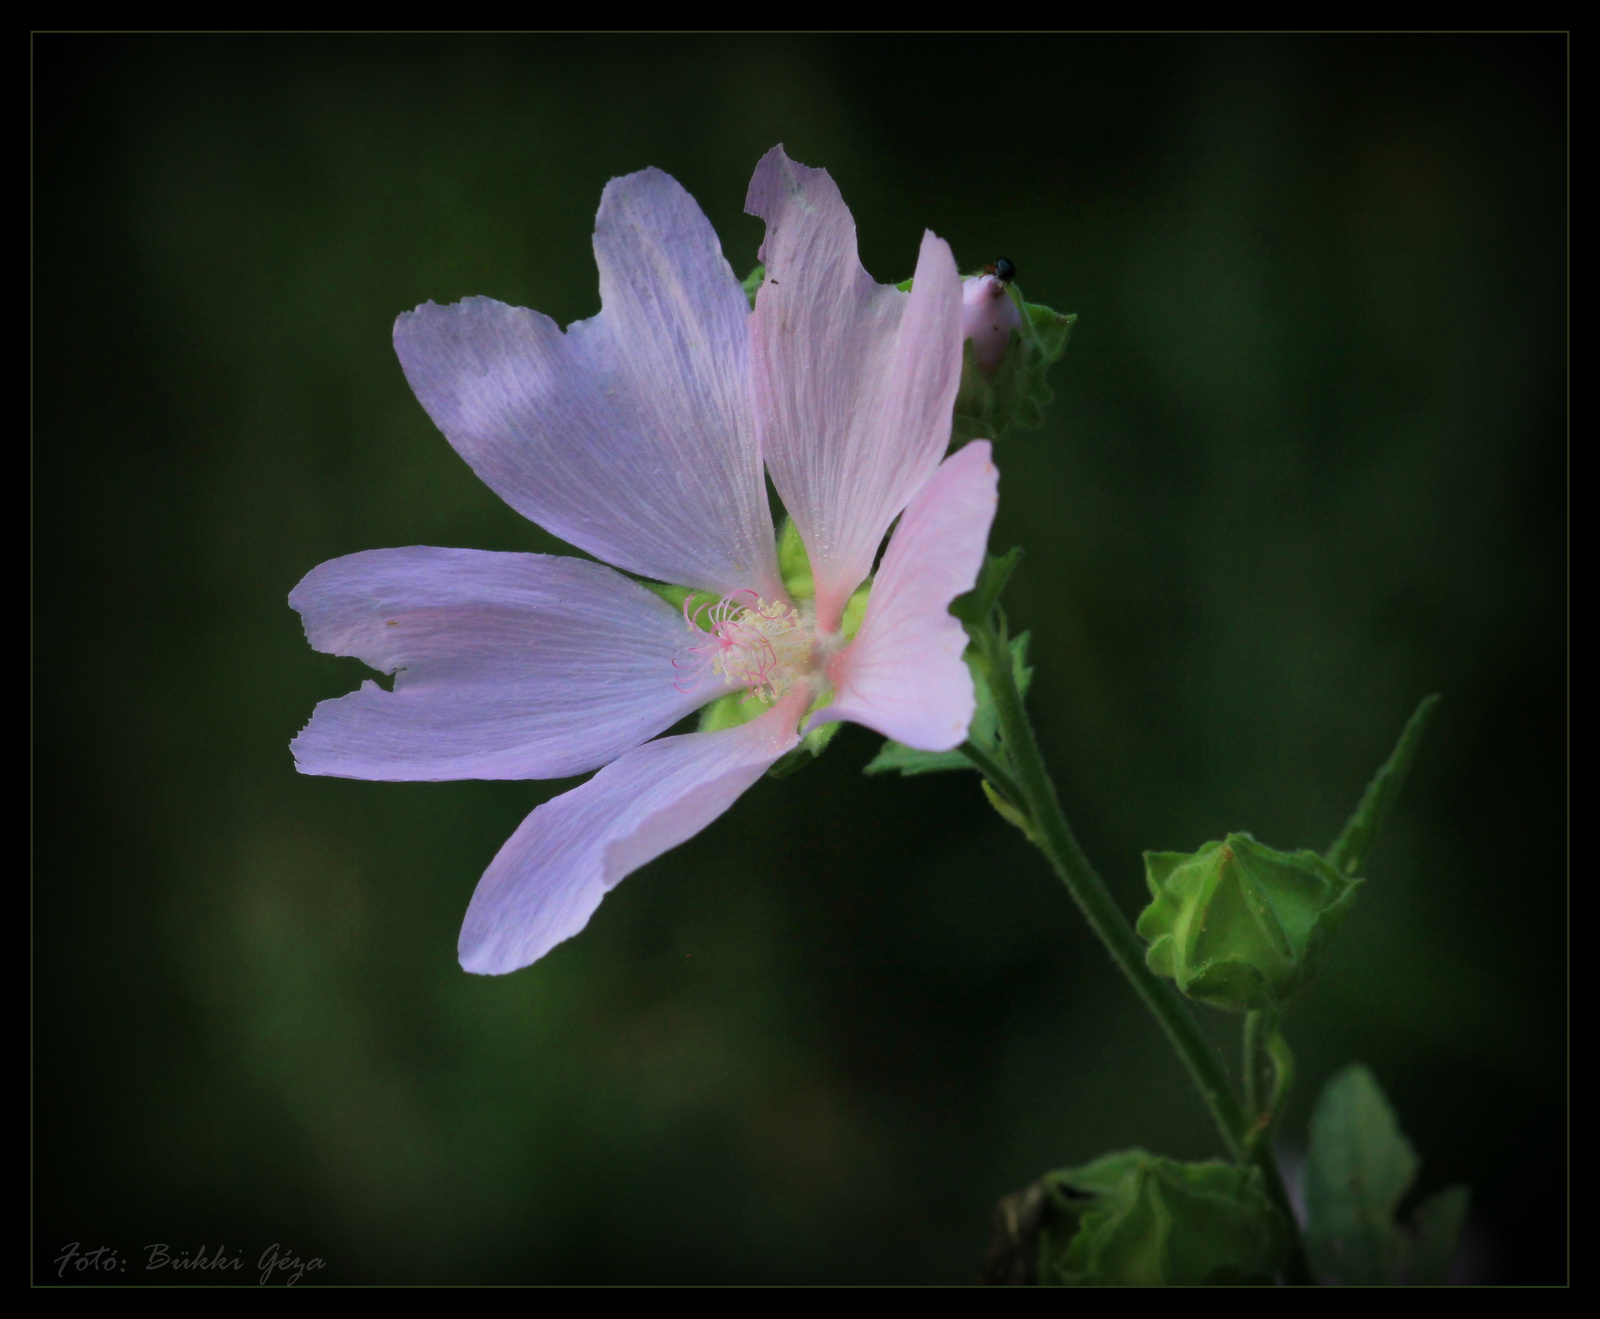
(639, 436)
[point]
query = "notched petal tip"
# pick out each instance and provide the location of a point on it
(508, 665)
(594, 432)
(854, 380)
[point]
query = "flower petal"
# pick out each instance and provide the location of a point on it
(854, 381)
(551, 874)
(630, 435)
(903, 675)
(507, 666)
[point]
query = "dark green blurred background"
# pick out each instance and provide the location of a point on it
(1307, 463)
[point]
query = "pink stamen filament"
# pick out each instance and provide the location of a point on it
(739, 643)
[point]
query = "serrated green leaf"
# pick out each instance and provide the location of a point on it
(975, 607)
(1347, 854)
(908, 761)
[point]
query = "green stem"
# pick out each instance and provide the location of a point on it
(1258, 1029)
(1055, 839)
(1088, 890)
(995, 772)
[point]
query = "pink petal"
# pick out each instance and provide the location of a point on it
(630, 435)
(903, 675)
(507, 666)
(548, 879)
(854, 381)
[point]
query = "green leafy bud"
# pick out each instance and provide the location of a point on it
(1132, 1219)
(1239, 925)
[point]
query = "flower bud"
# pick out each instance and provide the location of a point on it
(988, 317)
(1132, 1219)
(1239, 925)
(1011, 346)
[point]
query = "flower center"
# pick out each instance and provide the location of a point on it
(760, 645)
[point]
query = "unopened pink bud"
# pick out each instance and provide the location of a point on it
(988, 315)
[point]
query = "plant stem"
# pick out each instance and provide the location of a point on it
(1054, 837)
(1256, 1090)
(996, 773)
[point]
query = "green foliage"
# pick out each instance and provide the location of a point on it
(1015, 396)
(1362, 828)
(1133, 1219)
(1358, 1169)
(977, 606)
(985, 730)
(1238, 924)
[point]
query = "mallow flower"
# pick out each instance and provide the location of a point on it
(639, 436)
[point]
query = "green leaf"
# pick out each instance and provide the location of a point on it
(1009, 813)
(1347, 854)
(908, 761)
(975, 607)
(1358, 1170)
(985, 729)
(1439, 1220)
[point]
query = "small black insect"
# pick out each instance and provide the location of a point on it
(1001, 269)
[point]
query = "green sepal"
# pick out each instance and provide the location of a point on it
(1015, 396)
(1347, 854)
(794, 567)
(752, 282)
(1134, 1219)
(984, 730)
(1238, 924)
(673, 595)
(731, 711)
(812, 745)
(1358, 1169)
(738, 708)
(794, 564)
